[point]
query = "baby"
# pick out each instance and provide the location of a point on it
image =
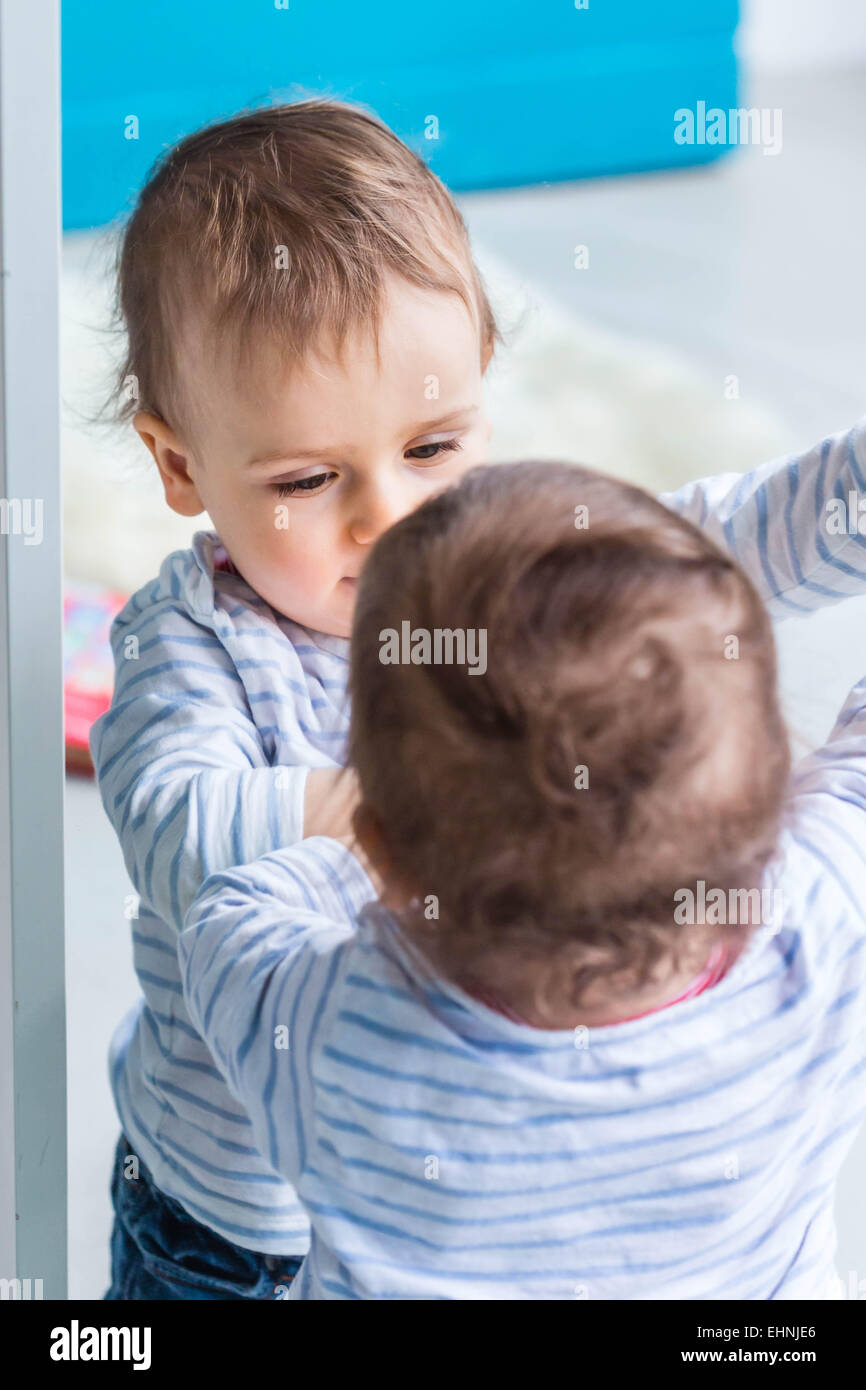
(307, 342)
(589, 1127)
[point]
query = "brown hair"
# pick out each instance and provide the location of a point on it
(328, 183)
(609, 648)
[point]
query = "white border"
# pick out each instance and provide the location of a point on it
(33, 1239)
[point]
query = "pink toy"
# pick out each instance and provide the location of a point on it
(88, 665)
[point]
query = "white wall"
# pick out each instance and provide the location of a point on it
(796, 34)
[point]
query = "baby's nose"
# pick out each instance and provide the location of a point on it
(374, 514)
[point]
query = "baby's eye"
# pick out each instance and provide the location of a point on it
(296, 485)
(424, 452)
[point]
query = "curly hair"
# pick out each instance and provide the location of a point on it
(624, 740)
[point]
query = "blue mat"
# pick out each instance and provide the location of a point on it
(491, 94)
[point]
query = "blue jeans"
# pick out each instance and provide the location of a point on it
(159, 1251)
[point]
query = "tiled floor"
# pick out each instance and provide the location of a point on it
(753, 268)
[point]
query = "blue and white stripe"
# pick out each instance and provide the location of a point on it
(443, 1151)
(221, 707)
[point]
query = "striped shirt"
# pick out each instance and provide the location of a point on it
(445, 1151)
(221, 706)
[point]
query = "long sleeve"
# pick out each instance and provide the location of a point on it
(789, 523)
(260, 961)
(185, 772)
(828, 805)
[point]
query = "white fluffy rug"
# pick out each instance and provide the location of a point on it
(560, 388)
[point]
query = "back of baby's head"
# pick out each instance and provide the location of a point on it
(623, 742)
(278, 228)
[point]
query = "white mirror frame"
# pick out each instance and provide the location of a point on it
(33, 1162)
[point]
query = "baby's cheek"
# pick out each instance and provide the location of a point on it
(268, 550)
(281, 533)
(301, 562)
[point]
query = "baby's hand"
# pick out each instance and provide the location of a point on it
(330, 799)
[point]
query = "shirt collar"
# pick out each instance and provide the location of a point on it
(210, 554)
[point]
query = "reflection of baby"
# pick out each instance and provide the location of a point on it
(520, 1075)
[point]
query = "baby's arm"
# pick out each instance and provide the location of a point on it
(182, 771)
(822, 866)
(260, 964)
(828, 788)
(776, 523)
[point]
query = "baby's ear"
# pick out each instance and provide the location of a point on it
(171, 459)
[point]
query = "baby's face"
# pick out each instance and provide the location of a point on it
(302, 474)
